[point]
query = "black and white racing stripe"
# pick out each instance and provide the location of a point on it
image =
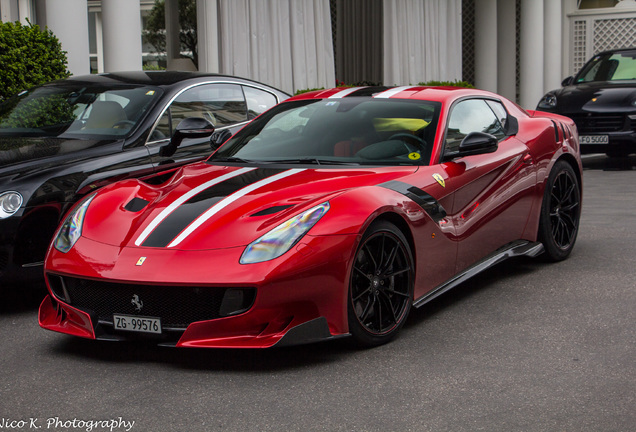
(346, 92)
(376, 92)
(391, 92)
(194, 208)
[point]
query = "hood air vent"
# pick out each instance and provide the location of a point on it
(272, 210)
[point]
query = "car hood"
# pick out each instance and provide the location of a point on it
(214, 207)
(597, 97)
(23, 154)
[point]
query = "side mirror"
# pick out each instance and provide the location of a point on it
(218, 138)
(191, 127)
(477, 143)
(568, 81)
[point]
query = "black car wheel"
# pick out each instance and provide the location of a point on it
(560, 212)
(381, 285)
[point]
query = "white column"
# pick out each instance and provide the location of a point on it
(506, 49)
(552, 53)
(173, 45)
(531, 53)
(486, 44)
(24, 9)
(207, 33)
(99, 41)
(68, 20)
(568, 7)
(6, 11)
(121, 23)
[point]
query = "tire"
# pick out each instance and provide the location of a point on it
(560, 212)
(380, 285)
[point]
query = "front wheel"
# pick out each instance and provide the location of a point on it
(381, 285)
(560, 212)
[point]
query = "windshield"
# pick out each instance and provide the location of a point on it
(609, 67)
(76, 110)
(353, 130)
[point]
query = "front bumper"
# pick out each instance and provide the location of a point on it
(14, 268)
(620, 143)
(24, 238)
(300, 297)
(619, 128)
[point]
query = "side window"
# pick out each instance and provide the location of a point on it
(220, 104)
(258, 101)
(473, 115)
(500, 112)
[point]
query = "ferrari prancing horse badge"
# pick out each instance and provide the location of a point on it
(439, 179)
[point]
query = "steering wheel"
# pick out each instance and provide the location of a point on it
(409, 139)
(124, 123)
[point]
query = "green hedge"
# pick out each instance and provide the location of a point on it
(370, 83)
(29, 57)
(446, 84)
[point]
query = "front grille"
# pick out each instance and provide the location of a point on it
(177, 306)
(599, 123)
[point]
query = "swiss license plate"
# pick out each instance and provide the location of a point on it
(594, 139)
(137, 324)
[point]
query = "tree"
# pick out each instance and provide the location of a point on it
(28, 57)
(155, 32)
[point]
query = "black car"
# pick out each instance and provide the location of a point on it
(601, 99)
(64, 139)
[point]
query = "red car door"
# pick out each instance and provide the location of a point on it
(491, 192)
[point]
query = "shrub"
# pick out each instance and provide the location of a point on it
(446, 84)
(28, 57)
(372, 83)
(301, 91)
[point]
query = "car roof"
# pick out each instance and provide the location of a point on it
(157, 78)
(619, 50)
(439, 94)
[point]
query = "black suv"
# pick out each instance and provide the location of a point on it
(601, 99)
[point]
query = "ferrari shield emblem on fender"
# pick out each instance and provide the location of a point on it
(440, 180)
(140, 261)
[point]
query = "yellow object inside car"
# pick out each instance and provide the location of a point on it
(399, 124)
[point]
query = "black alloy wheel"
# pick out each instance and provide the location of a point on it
(560, 212)
(381, 285)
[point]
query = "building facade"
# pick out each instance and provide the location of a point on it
(519, 48)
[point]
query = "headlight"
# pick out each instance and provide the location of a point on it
(10, 203)
(283, 237)
(71, 229)
(548, 101)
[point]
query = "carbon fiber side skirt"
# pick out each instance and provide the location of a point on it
(515, 249)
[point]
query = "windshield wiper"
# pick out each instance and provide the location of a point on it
(314, 161)
(231, 159)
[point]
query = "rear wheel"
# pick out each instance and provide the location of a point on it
(560, 212)
(381, 285)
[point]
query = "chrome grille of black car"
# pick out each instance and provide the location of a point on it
(598, 123)
(177, 306)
